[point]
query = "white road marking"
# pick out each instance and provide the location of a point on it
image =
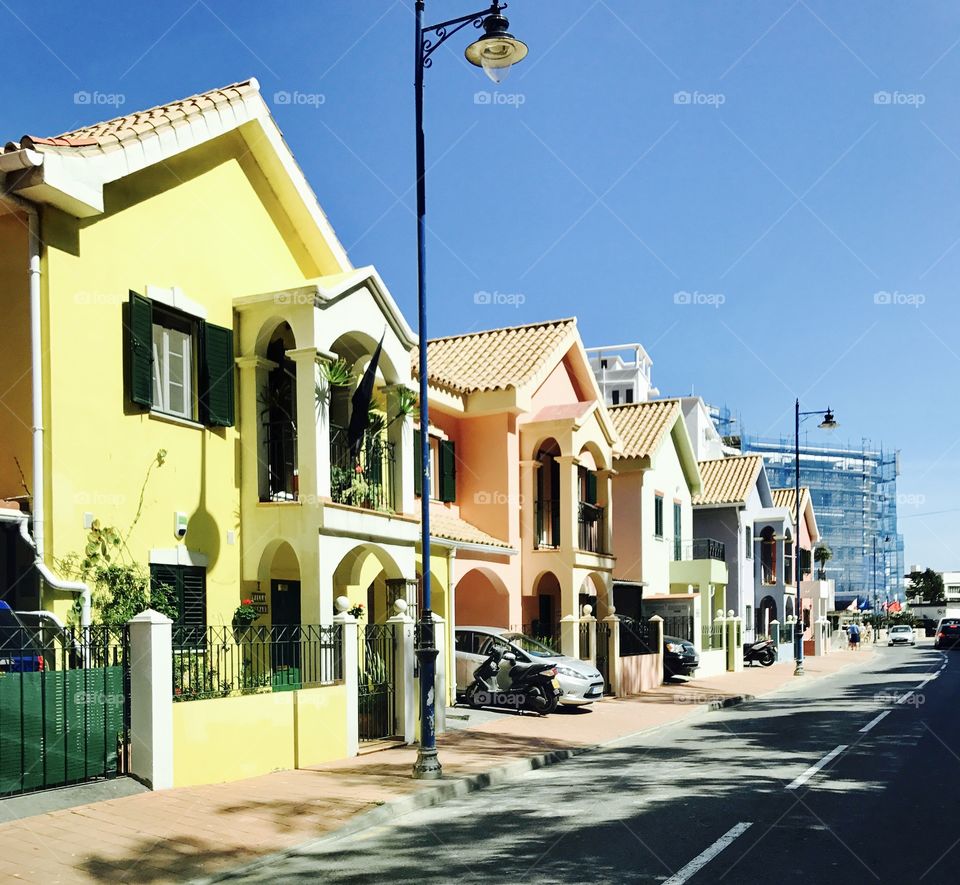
(813, 769)
(925, 681)
(903, 699)
(701, 860)
(873, 722)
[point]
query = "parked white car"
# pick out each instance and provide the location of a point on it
(901, 634)
(580, 682)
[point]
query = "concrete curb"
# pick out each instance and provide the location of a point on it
(445, 790)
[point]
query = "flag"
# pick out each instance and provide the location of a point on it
(894, 606)
(854, 606)
(865, 605)
(362, 397)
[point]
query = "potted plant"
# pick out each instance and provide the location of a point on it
(356, 611)
(822, 555)
(243, 617)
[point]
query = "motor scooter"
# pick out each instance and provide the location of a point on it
(761, 651)
(502, 681)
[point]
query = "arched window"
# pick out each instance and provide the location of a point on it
(768, 556)
(278, 414)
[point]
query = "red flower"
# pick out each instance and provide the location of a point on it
(358, 468)
(248, 602)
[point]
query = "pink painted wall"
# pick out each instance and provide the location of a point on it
(480, 602)
(627, 528)
(640, 673)
(560, 388)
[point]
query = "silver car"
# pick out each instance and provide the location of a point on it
(901, 634)
(580, 682)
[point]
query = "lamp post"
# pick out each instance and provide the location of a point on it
(828, 423)
(495, 51)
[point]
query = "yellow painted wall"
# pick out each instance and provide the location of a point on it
(205, 223)
(440, 605)
(227, 739)
(15, 410)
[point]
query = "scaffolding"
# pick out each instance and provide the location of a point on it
(854, 494)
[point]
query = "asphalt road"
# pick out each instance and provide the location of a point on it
(851, 778)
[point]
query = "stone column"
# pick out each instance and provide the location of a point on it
(569, 502)
(350, 638)
(733, 630)
(529, 503)
(570, 636)
(405, 696)
(151, 699)
(613, 653)
(605, 500)
(309, 451)
(440, 677)
(400, 436)
(254, 371)
(657, 623)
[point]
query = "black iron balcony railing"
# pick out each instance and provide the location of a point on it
(281, 439)
(703, 548)
(548, 524)
(365, 480)
(590, 523)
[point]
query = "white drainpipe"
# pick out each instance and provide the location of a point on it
(36, 369)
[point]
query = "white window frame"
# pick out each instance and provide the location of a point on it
(161, 367)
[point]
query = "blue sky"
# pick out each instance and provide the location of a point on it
(803, 188)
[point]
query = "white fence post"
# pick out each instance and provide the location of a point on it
(613, 653)
(588, 618)
(570, 636)
(350, 638)
(821, 644)
(734, 637)
(406, 693)
(151, 699)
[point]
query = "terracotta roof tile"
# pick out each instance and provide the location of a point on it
(496, 359)
(641, 426)
(728, 480)
(444, 524)
(788, 498)
(131, 126)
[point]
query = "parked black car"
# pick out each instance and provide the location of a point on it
(948, 633)
(680, 657)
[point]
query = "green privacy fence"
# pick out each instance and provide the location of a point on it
(59, 727)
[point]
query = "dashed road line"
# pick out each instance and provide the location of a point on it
(904, 698)
(873, 722)
(813, 769)
(701, 860)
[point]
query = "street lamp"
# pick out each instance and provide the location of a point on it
(828, 423)
(496, 51)
(876, 612)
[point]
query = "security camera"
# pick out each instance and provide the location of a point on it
(180, 525)
(181, 531)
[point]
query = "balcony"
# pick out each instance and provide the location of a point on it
(703, 548)
(282, 478)
(590, 527)
(701, 562)
(365, 480)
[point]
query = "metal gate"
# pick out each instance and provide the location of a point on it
(603, 655)
(64, 705)
(376, 659)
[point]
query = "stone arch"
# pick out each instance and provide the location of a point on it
(766, 614)
(596, 455)
(595, 586)
(482, 599)
(362, 575)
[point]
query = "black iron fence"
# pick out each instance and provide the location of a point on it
(376, 701)
(229, 661)
(364, 479)
(64, 704)
(590, 524)
(703, 548)
(680, 626)
(602, 658)
(282, 478)
(584, 640)
(548, 523)
(712, 635)
(638, 637)
(544, 633)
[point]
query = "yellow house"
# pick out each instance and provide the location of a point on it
(172, 286)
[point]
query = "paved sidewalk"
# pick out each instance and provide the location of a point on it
(176, 835)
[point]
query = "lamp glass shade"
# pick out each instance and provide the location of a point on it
(828, 422)
(496, 54)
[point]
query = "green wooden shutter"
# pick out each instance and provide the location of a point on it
(677, 533)
(140, 350)
(448, 471)
(194, 611)
(216, 376)
(591, 487)
(417, 464)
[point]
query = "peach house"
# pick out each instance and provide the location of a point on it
(522, 452)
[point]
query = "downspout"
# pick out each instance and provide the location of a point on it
(36, 369)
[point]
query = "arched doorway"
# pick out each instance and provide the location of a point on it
(768, 556)
(281, 568)
(766, 614)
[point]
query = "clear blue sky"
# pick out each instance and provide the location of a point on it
(586, 189)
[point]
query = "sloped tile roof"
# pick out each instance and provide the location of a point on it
(496, 359)
(132, 126)
(641, 426)
(444, 524)
(788, 498)
(728, 480)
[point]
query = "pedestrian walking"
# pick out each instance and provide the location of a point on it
(853, 632)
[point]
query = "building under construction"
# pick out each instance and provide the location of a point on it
(854, 492)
